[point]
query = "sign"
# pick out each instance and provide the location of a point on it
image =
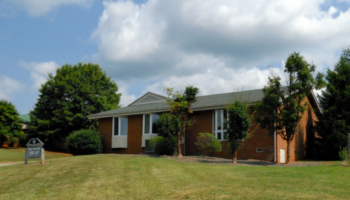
(35, 150)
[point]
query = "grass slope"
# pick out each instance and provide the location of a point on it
(17, 154)
(133, 177)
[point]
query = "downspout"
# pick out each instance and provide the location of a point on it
(274, 142)
(184, 141)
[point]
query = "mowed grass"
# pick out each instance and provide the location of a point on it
(133, 177)
(18, 154)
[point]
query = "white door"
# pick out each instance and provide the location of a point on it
(282, 156)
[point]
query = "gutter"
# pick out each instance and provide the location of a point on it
(96, 116)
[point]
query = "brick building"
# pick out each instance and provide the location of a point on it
(127, 130)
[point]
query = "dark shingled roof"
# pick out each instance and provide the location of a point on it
(202, 103)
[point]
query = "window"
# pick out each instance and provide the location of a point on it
(219, 118)
(149, 123)
(120, 126)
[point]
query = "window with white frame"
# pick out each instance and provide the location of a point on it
(149, 123)
(219, 126)
(120, 126)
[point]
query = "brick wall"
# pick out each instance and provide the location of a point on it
(105, 130)
(302, 143)
(204, 123)
(301, 146)
(134, 135)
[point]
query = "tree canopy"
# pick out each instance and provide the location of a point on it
(333, 124)
(280, 110)
(10, 125)
(68, 97)
(168, 125)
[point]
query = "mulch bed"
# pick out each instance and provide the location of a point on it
(224, 161)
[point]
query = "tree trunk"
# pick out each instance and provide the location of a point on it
(288, 152)
(234, 157)
(179, 151)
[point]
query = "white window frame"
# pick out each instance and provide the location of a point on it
(150, 124)
(118, 135)
(215, 124)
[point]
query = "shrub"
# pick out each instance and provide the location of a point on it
(207, 143)
(164, 145)
(15, 142)
(84, 142)
(343, 154)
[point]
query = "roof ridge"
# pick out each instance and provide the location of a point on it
(229, 92)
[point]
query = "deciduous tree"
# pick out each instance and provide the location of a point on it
(9, 122)
(281, 110)
(180, 107)
(237, 126)
(68, 97)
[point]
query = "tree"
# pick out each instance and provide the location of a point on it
(333, 124)
(238, 124)
(180, 107)
(10, 125)
(281, 110)
(167, 126)
(68, 97)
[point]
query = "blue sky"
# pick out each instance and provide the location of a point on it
(218, 46)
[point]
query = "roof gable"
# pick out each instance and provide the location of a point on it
(24, 118)
(149, 97)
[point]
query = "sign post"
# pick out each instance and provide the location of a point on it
(35, 150)
(349, 143)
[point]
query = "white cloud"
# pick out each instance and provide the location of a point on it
(126, 98)
(217, 81)
(217, 45)
(39, 71)
(38, 8)
(9, 87)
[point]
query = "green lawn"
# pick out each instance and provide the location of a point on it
(17, 155)
(133, 177)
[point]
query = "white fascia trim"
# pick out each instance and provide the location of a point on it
(157, 111)
(128, 114)
(149, 102)
(316, 101)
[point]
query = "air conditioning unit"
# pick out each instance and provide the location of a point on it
(148, 147)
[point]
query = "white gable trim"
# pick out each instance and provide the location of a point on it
(149, 95)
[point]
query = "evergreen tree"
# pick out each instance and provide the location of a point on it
(68, 97)
(333, 124)
(9, 122)
(280, 111)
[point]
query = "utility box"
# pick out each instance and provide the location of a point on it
(35, 150)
